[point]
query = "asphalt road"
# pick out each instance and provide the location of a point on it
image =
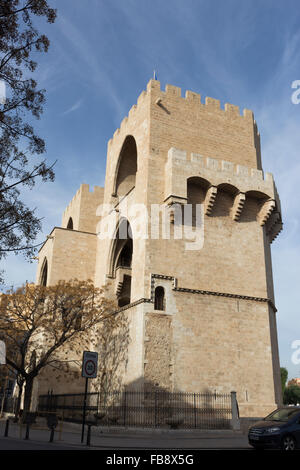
(127, 442)
(9, 443)
(70, 438)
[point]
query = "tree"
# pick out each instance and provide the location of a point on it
(284, 375)
(37, 322)
(19, 145)
(291, 395)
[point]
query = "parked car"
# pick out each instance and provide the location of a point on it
(280, 429)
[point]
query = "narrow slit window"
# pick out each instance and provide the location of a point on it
(159, 300)
(70, 224)
(44, 274)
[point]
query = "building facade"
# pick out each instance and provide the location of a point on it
(181, 236)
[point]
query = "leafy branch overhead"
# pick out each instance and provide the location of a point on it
(20, 146)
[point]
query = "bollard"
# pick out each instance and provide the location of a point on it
(6, 428)
(27, 432)
(88, 438)
(51, 434)
(235, 421)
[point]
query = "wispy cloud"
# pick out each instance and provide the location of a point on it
(92, 70)
(73, 108)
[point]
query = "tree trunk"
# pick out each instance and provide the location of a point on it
(28, 394)
(18, 406)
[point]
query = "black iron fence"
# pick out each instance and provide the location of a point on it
(144, 409)
(7, 404)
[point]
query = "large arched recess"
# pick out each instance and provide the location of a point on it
(121, 247)
(44, 273)
(126, 167)
(196, 191)
(120, 258)
(253, 204)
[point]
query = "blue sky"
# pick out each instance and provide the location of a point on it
(102, 55)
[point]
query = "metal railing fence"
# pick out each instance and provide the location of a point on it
(153, 409)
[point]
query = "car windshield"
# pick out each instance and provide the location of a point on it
(282, 415)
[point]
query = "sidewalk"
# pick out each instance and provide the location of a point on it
(120, 438)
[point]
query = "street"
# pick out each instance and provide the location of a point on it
(68, 437)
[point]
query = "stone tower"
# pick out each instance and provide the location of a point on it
(191, 217)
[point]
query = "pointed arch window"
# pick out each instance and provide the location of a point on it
(70, 224)
(125, 256)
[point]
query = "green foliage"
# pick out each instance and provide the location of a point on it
(291, 395)
(284, 376)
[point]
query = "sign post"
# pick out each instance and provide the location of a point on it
(89, 371)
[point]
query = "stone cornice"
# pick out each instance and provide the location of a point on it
(195, 291)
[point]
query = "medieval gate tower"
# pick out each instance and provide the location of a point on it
(201, 312)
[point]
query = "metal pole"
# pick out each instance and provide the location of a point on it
(4, 393)
(51, 434)
(27, 432)
(6, 428)
(88, 439)
(195, 411)
(125, 405)
(84, 409)
(61, 422)
(155, 418)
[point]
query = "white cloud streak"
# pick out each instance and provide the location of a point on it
(73, 108)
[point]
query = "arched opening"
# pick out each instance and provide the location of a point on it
(228, 188)
(253, 205)
(159, 298)
(121, 248)
(125, 257)
(70, 224)
(120, 262)
(124, 296)
(224, 200)
(196, 191)
(126, 168)
(44, 273)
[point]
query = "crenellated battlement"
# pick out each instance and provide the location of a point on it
(82, 208)
(210, 105)
(84, 190)
(131, 115)
(196, 164)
